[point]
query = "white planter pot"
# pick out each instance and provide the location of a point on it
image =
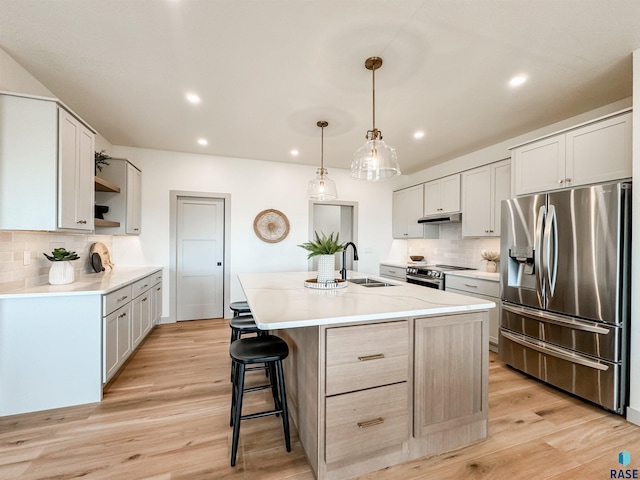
(492, 267)
(326, 268)
(61, 273)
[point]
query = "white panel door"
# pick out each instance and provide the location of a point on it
(200, 255)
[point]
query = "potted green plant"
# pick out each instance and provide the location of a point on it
(325, 249)
(491, 258)
(101, 160)
(61, 271)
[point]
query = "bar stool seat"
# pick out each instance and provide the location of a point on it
(241, 325)
(239, 308)
(270, 350)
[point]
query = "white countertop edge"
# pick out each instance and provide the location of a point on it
(88, 284)
(432, 311)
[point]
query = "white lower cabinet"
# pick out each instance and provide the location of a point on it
(129, 314)
(394, 272)
(479, 288)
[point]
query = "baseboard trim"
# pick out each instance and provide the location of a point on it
(633, 415)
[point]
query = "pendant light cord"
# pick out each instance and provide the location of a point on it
(373, 95)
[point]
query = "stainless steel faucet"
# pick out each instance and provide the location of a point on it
(343, 271)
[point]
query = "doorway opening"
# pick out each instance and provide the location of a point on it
(199, 274)
(336, 216)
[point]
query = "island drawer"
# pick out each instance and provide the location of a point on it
(366, 356)
(473, 285)
(116, 299)
(143, 285)
(361, 423)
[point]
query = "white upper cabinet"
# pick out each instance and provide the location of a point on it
(124, 216)
(75, 179)
(442, 196)
(46, 166)
(597, 152)
(407, 209)
(483, 190)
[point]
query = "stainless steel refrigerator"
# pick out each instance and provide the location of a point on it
(565, 286)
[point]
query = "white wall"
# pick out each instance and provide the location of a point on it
(633, 412)
(254, 186)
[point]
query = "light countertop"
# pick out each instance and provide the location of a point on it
(494, 277)
(280, 300)
(89, 284)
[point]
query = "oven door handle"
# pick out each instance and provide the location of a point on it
(547, 349)
(422, 279)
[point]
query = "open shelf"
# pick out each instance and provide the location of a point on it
(99, 222)
(103, 186)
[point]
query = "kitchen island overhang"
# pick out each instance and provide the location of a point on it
(377, 376)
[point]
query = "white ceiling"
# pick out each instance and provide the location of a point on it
(268, 70)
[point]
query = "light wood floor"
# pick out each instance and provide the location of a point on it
(167, 417)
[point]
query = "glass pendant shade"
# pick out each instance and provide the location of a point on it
(322, 187)
(375, 160)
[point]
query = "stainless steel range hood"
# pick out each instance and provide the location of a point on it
(444, 218)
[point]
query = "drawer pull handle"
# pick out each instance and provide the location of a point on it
(122, 298)
(377, 356)
(471, 286)
(371, 423)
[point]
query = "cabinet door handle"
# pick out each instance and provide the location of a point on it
(371, 423)
(122, 298)
(366, 358)
(567, 180)
(470, 286)
(144, 286)
(136, 229)
(145, 299)
(158, 289)
(122, 315)
(82, 222)
(560, 181)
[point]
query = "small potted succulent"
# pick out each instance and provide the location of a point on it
(325, 249)
(61, 271)
(491, 258)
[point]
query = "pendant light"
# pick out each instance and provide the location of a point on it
(375, 160)
(322, 187)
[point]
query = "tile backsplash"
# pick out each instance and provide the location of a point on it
(13, 245)
(452, 249)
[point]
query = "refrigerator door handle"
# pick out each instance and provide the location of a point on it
(547, 349)
(551, 248)
(573, 323)
(538, 257)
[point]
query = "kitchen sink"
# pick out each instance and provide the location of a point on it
(370, 282)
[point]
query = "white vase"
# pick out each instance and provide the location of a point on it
(61, 273)
(492, 267)
(326, 268)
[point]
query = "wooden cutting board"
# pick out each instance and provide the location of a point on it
(102, 250)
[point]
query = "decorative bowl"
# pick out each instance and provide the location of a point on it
(416, 258)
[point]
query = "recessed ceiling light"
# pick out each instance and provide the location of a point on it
(294, 152)
(193, 98)
(203, 141)
(517, 81)
(418, 134)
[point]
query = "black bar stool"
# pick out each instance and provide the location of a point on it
(270, 350)
(239, 308)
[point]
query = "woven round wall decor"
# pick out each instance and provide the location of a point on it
(271, 226)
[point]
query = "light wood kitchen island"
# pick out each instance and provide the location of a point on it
(377, 375)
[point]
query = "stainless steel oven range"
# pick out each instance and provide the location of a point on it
(431, 276)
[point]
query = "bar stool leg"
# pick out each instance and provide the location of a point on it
(239, 384)
(283, 400)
